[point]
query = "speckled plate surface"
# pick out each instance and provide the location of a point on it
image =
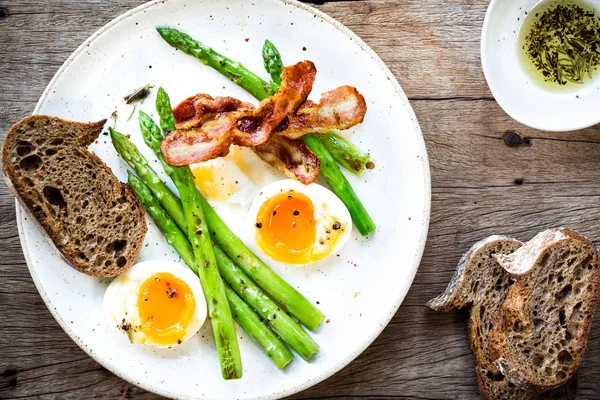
(359, 291)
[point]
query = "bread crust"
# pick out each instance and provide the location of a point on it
(515, 314)
(50, 210)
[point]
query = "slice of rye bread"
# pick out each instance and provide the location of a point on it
(96, 223)
(482, 283)
(479, 282)
(539, 334)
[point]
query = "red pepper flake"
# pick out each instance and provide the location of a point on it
(247, 40)
(172, 293)
(327, 321)
(355, 265)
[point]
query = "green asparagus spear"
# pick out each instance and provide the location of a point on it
(138, 162)
(278, 320)
(198, 234)
(273, 64)
(250, 322)
(242, 313)
(231, 69)
(345, 152)
(334, 177)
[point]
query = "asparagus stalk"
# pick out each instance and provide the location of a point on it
(138, 162)
(265, 277)
(273, 64)
(345, 152)
(260, 333)
(278, 320)
(198, 234)
(242, 313)
(231, 69)
(261, 89)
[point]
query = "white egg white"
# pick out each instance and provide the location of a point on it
(121, 297)
(328, 209)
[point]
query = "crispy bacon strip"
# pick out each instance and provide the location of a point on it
(290, 156)
(339, 109)
(195, 111)
(244, 128)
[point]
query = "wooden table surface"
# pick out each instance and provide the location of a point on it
(480, 187)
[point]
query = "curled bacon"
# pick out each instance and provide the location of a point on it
(244, 128)
(341, 108)
(291, 156)
(195, 111)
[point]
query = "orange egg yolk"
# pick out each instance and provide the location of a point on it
(166, 305)
(286, 227)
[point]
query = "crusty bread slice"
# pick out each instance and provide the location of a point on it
(96, 223)
(479, 281)
(539, 335)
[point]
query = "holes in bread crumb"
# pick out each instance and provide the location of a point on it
(548, 371)
(31, 163)
(562, 317)
(538, 360)
(23, 148)
(107, 263)
(565, 293)
(568, 335)
(565, 358)
(539, 324)
(54, 196)
(85, 204)
(81, 255)
(119, 218)
(560, 375)
(546, 258)
(118, 247)
(27, 181)
(121, 261)
(57, 142)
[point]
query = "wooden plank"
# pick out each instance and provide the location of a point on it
(432, 47)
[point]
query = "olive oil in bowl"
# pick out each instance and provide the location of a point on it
(559, 44)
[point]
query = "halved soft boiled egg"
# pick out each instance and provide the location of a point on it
(299, 224)
(157, 303)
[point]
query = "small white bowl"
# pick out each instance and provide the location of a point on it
(521, 98)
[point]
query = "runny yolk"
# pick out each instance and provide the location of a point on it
(286, 227)
(213, 183)
(166, 305)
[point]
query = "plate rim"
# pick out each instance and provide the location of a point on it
(401, 294)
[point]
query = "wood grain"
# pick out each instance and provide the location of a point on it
(480, 186)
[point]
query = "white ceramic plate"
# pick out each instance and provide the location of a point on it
(359, 291)
(521, 97)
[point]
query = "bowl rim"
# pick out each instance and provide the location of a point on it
(493, 83)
